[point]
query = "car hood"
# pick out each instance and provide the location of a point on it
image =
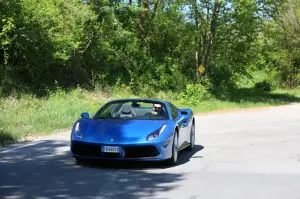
(122, 131)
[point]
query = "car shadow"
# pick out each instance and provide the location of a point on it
(183, 158)
(186, 155)
(47, 170)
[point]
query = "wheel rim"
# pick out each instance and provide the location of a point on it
(175, 148)
(193, 136)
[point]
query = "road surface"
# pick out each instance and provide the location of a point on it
(240, 155)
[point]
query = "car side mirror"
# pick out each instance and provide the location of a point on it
(85, 115)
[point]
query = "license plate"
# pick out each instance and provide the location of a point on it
(111, 149)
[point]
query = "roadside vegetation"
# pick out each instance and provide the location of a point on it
(29, 116)
(60, 58)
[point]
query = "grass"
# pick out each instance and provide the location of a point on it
(248, 98)
(31, 116)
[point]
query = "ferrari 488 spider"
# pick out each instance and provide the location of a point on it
(134, 129)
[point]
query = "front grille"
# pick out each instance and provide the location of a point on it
(111, 155)
(83, 149)
(140, 151)
(94, 150)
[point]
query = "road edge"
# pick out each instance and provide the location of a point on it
(30, 139)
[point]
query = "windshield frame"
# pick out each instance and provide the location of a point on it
(131, 101)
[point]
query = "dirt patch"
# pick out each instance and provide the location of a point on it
(56, 135)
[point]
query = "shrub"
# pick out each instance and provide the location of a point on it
(264, 86)
(193, 94)
(122, 91)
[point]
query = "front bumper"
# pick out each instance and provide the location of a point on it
(143, 152)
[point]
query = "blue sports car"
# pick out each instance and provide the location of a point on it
(134, 129)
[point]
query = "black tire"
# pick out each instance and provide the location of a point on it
(174, 158)
(192, 138)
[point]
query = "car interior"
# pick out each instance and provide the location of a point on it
(138, 110)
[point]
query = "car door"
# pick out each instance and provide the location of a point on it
(182, 130)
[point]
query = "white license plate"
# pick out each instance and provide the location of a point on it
(111, 149)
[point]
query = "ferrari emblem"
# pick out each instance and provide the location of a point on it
(111, 140)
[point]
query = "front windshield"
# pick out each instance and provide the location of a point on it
(133, 110)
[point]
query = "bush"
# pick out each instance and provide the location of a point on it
(264, 86)
(193, 94)
(122, 91)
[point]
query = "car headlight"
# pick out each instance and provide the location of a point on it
(77, 131)
(156, 133)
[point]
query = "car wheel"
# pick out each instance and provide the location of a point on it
(173, 159)
(192, 138)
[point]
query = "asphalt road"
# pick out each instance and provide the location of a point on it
(242, 155)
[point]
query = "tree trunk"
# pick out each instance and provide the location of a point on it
(144, 6)
(197, 64)
(209, 38)
(196, 42)
(155, 8)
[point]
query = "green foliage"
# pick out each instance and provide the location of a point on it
(280, 41)
(6, 41)
(264, 86)
(122, 91)
(147, 48)
(27, 116)
(193, 94)
(150, 46)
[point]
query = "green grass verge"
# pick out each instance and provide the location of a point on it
(30, 116)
